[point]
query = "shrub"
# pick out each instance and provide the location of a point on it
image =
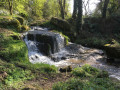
(92, 42)
(89, 71)
(23, 15)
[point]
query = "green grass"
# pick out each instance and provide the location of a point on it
(89, 71)
(86, 84)
(14, 50)
(15, 74)
(15, 63)
(38, 68)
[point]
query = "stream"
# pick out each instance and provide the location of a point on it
(45, 46)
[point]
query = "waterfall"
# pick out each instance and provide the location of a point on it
(37, 40)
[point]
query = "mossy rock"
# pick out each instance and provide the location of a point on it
(20, 19)
(15, 37)
(64, 25)
(24, 28)
(9, 22)
(113, 50)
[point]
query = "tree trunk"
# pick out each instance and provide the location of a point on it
(74, 15)
(61, 8)
(105, 8)
(10, 7)
(79, 17)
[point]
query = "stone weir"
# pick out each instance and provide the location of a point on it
(48, 42)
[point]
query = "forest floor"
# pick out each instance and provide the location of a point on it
(46, 81)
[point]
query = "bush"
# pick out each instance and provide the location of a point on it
(89, 71)
(23, 15)
(95, 42)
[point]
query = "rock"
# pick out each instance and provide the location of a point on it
(24, 28)
(66, 69)
(110, 60)
(61, 23)
(30, 37)
(3, 75)
(15, 37)
(52, 41)
(45, 48)
(113, 50)
(63, 58)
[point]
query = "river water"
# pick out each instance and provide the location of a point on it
(72, 54)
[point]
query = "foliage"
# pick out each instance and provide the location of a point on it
(9, 21)
(20, 19)
(13, 49)
(4, 12)
(33, 8)
(85, 84)
(15, 75)
(93, 42)
(89, 71)
(39, 67)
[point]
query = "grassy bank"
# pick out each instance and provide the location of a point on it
(15, 67)
(16, 72)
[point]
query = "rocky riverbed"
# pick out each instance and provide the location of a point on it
(61, 54)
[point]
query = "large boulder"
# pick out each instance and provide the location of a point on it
(113, 50)
(5, 21)
(49, 42)
(63, 24)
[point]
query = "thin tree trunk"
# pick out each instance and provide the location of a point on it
(61, 8)
(74, 15)
(105, 8)
(10, 7)
(79, 17)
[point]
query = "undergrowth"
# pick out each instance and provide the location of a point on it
(86, 84)
(87, 78)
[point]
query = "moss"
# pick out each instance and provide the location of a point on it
(14, 50)
(20, 19)
(88, 71)
(113, 50)
(39, 67)
(66, 37)
(9, 21)
(24, 28)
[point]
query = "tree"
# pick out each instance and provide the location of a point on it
(106, 2)
(62, 4)
(79, 17)
(74, 15)
(10, 6)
